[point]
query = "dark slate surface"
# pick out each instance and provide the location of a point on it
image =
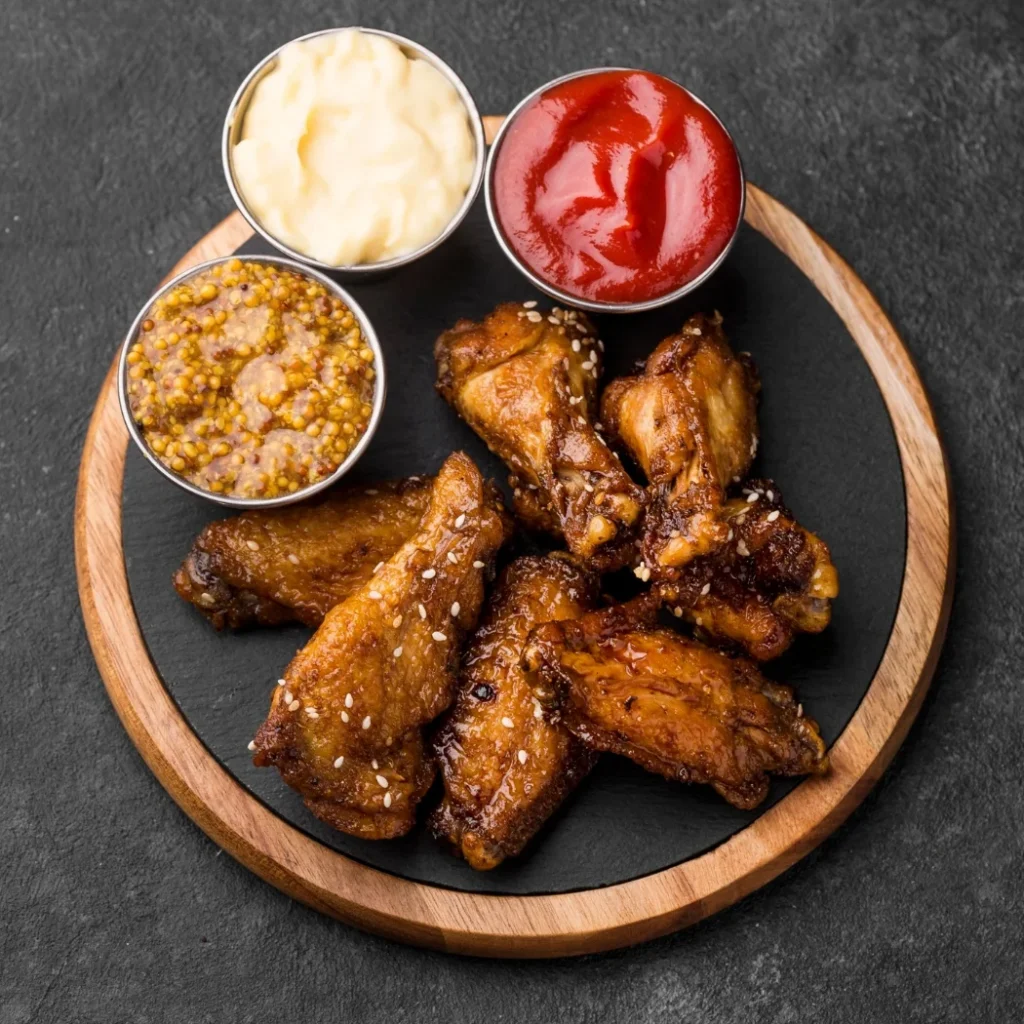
(826, 440)
(895, 130)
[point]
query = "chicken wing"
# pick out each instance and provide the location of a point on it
(269, 566)
(527, 384)
(690, 422)
(505, 768)
(771, 580)
(675, 707)
(345, 722)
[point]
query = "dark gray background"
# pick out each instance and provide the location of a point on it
(895, 129)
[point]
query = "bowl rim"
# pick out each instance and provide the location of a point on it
(379, 394)
(236, 116)
(577, 301)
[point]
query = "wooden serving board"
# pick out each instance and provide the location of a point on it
(564, 922)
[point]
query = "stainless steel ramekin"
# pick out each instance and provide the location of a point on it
(233, 129)
(379, 394)
(567, 298)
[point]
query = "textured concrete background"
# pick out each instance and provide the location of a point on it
(895, 129)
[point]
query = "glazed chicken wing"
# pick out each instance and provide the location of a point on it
(505, 767)
(771, 580)
(269, 566)
(526, 382)
(345, 723)
(672, 705)
(690, 422)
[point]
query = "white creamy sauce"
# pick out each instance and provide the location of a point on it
(351, 152)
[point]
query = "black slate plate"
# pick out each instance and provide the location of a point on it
(825, 438)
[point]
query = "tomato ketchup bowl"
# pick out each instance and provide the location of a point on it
(614, 190)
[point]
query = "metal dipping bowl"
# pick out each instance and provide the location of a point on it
(567, 298)
(379, 394)
(232, 133)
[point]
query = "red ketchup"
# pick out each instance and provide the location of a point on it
(617, 187)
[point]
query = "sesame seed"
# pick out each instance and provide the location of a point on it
(534, 317)
(429, 574)
(751, 497)
(705, 590)
(478, 564)
(772, 516)
(799, 711)
(312, 712)
(396, 621)
(677, 612)
(252, 745)
(294, 559)
(460, 522)
(374, 765)
(293, 706)
(589, 488)
(507, 722)
(397, 652)
(339, 761)
(422, 611)
(387, 799)
(522, 755)
(439, 636)
(375, 595)
(382, 782)
(456, 608)
(288, 697)
(377, 568)
(553, 320)
(366, 722)
(770, 495)
(742, 548)
(698, 620)
(344, 716)
(587, 364)
(593, 356)
(348, 700)
(576, 344)
(729, 535)
(532, 304)
(252, 545)
(452, 558)
(280, 682)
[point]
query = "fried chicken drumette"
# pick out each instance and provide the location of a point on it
(526, 382)
(674, 706)
(269, 566)
(690, 422)
(771, 579)
(506, 769)
(345, 722)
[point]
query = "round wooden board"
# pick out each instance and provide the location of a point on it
(569, 923)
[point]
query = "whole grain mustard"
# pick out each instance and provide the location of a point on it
(251, 381)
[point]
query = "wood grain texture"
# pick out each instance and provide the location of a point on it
(571, 923)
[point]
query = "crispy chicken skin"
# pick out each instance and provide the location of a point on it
(269, 566)
(771, 580)
(345, 725)
(526, 382)
(672, 705)
(690, 422)
(505, 767)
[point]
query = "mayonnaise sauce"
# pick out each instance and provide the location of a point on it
(351, 152)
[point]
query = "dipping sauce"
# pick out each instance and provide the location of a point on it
(351, 152)
(250, 381)
(617, 186)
